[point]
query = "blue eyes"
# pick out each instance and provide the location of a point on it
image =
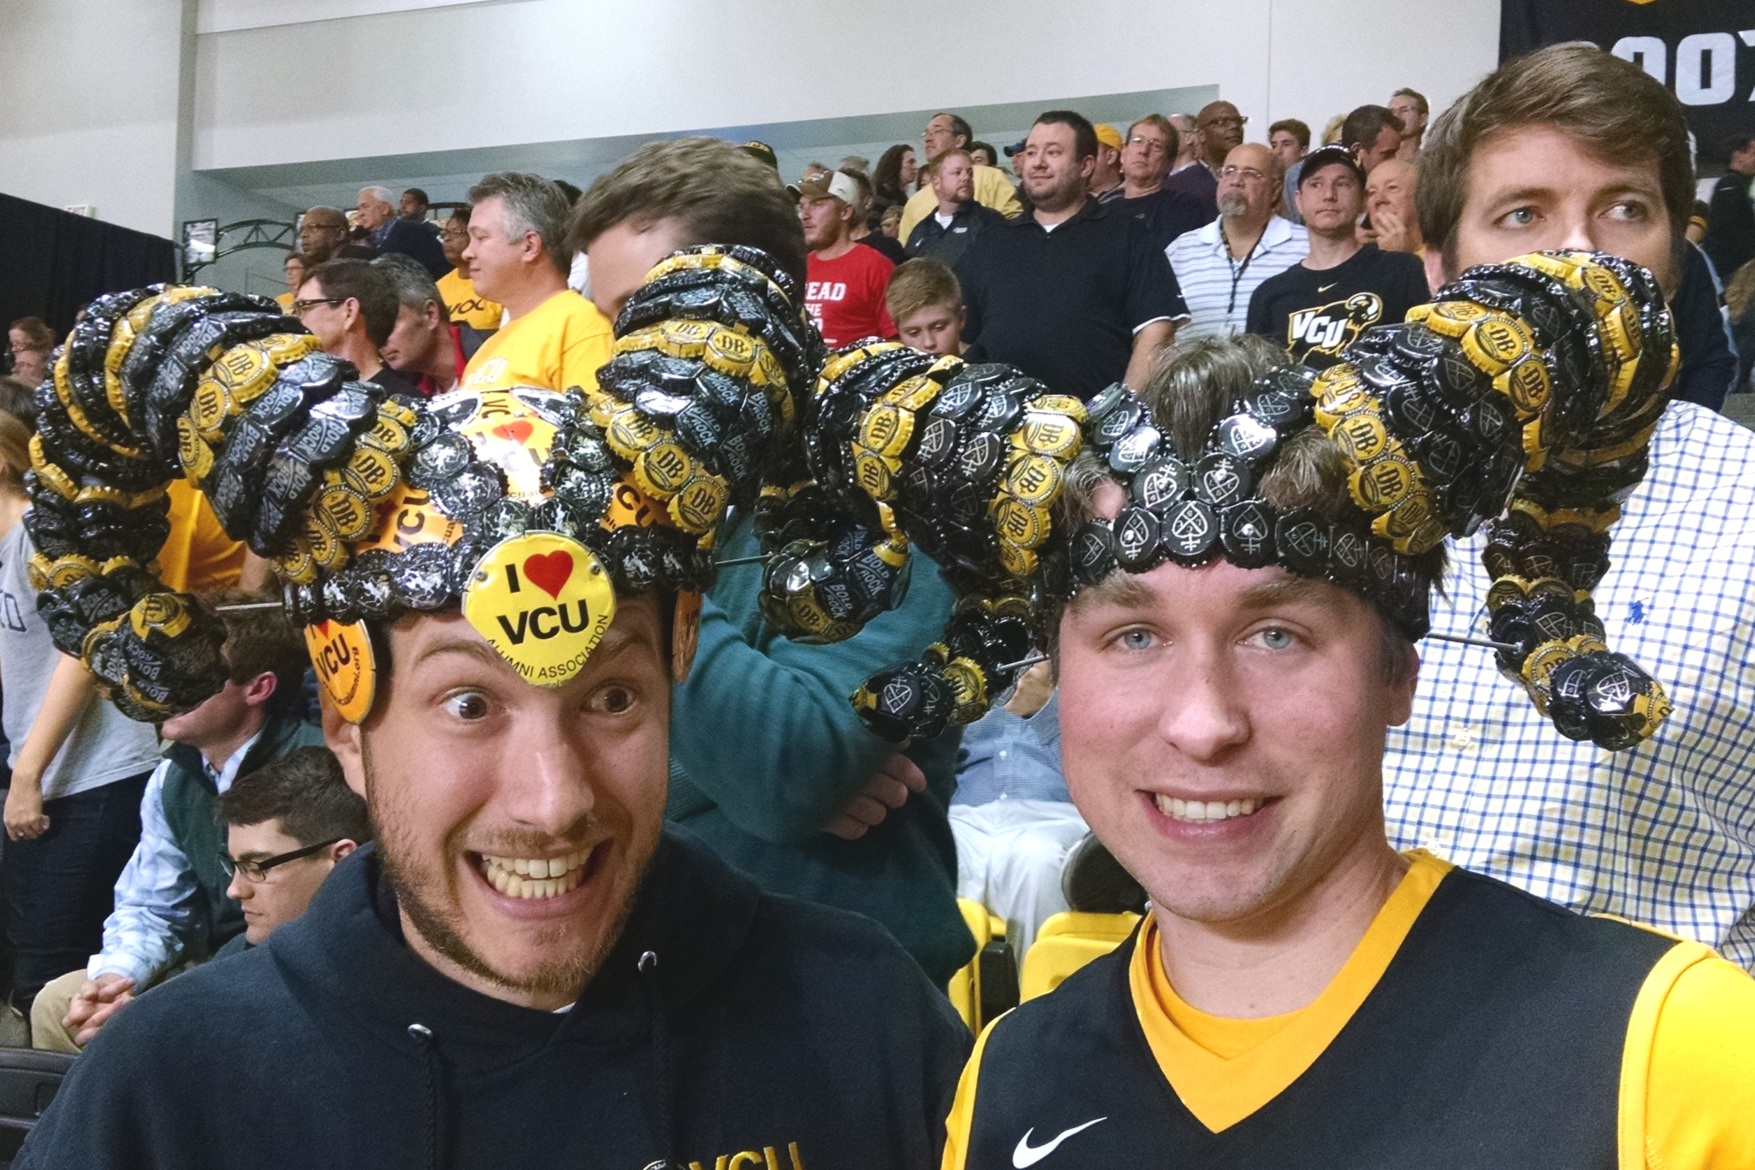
(1276, 639)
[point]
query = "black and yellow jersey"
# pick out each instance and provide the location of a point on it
(1474, 1025)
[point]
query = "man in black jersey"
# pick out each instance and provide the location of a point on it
(1317, 307)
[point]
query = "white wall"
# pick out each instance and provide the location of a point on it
(89, 89)
(104, 98)
(546, 70)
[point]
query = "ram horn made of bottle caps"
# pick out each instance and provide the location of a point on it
(529, 509)
(1521, 398)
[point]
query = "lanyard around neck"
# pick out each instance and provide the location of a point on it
(1237, 270)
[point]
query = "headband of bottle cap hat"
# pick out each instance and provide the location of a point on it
(1524, 395)
(530, 509)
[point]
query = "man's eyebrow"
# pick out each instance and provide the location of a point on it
(468, 647)
(1118, 589)
(1287, 590)
(1532, 191)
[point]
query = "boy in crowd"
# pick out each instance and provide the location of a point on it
(926, 304)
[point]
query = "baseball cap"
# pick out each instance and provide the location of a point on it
(1016, 147)
(835, 184)
(1328, 156)
(1108, 135)
(761, 152)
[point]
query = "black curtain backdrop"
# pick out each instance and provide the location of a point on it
(52, 262)
(1704, 50)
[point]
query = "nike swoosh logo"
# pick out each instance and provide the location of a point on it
(1326, 287)
(1027, 1155)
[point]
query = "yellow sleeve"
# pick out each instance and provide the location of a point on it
(993, 189)
(920, 205)
(589, 344)
(1688, 1076)
(198, 555)
(963, 1107)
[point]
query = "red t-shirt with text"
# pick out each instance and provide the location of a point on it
(845, 296)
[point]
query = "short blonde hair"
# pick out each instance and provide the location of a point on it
(921, 283)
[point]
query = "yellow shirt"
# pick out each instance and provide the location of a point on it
(1687, 1075)
(467, 306)
(992, 189)
(557, 345)
(198, 555)
(285, 301)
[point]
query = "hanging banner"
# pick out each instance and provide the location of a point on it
(1703, 50)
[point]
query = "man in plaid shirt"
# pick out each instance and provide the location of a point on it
(1572, 148)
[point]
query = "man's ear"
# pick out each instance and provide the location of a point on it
(341, 849)
(533, 248)
(344, 740)
(435, 316)
(261, 688)
(1434, 262)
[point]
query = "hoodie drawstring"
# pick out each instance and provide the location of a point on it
(648, 968)
(423, 1036)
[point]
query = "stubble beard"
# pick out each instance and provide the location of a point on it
(420, 895)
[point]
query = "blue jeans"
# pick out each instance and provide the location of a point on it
(61, 886)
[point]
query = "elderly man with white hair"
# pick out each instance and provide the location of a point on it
(392, 233)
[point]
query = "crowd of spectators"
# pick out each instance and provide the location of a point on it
(132, 856)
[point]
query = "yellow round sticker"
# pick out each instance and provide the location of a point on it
(543, 601)
(345, 665)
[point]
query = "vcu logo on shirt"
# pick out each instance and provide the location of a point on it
(1332, 327)
(766, 1158)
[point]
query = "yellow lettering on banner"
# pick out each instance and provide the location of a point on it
(745, 1158)
(797, 1162)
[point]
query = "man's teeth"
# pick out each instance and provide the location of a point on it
(535, 877)
(1204, 810)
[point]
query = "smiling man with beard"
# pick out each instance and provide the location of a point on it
(528, 967)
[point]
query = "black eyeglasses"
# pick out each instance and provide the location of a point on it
(257, 870)
(300, 308)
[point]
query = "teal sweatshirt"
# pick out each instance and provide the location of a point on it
(766, 748)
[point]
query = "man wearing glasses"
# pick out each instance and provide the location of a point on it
(1220, 128)
(286, 827)
(1220, 266)
(172, 906)
(351, 308)
(1152, 142)
(323, 236)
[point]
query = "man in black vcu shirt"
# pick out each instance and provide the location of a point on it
(1071, 294)
(1318, 306)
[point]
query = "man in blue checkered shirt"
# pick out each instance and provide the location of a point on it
(1572, 148)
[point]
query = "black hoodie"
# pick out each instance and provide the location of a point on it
(725, 1022)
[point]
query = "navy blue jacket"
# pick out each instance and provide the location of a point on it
(797, 1035)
